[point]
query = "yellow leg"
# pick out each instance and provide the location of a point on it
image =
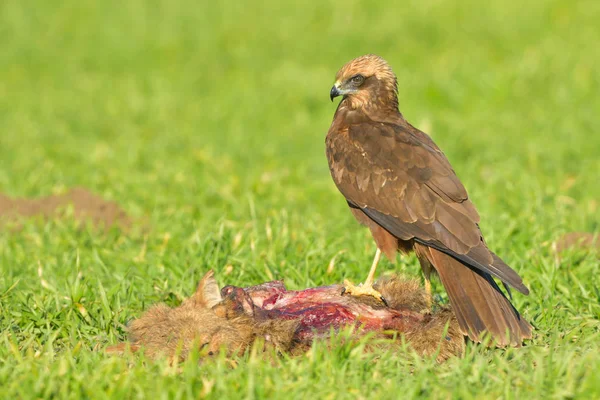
(428, 289)
(366, 289)
(428, 286)
(371, 276)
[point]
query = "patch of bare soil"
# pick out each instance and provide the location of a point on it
(87, 207)
(578, 241)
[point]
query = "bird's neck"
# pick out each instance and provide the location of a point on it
(383, 109)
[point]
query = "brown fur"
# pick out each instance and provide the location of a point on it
(423, 338)
(211, 323)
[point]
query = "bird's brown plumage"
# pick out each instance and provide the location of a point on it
(398, 183)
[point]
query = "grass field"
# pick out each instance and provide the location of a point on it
(206, 123)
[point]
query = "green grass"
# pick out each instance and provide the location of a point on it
(206, 122)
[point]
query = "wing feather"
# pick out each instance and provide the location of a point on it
(400, 179)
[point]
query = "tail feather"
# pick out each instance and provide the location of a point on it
(479, 304)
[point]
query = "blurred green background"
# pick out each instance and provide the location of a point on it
(206, 121)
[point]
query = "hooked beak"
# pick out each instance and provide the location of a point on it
(334, 93)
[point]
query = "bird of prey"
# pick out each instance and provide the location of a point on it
(400, 185)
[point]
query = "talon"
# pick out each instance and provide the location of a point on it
(384, 301)
(343, 291)
(362, 290)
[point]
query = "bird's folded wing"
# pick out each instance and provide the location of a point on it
(401, 180)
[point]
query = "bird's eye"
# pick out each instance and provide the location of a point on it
(357, 80)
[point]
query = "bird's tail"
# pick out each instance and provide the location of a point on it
(479, 304)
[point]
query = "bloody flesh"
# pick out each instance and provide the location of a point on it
(319, 309)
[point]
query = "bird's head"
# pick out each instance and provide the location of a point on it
(366, 81)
